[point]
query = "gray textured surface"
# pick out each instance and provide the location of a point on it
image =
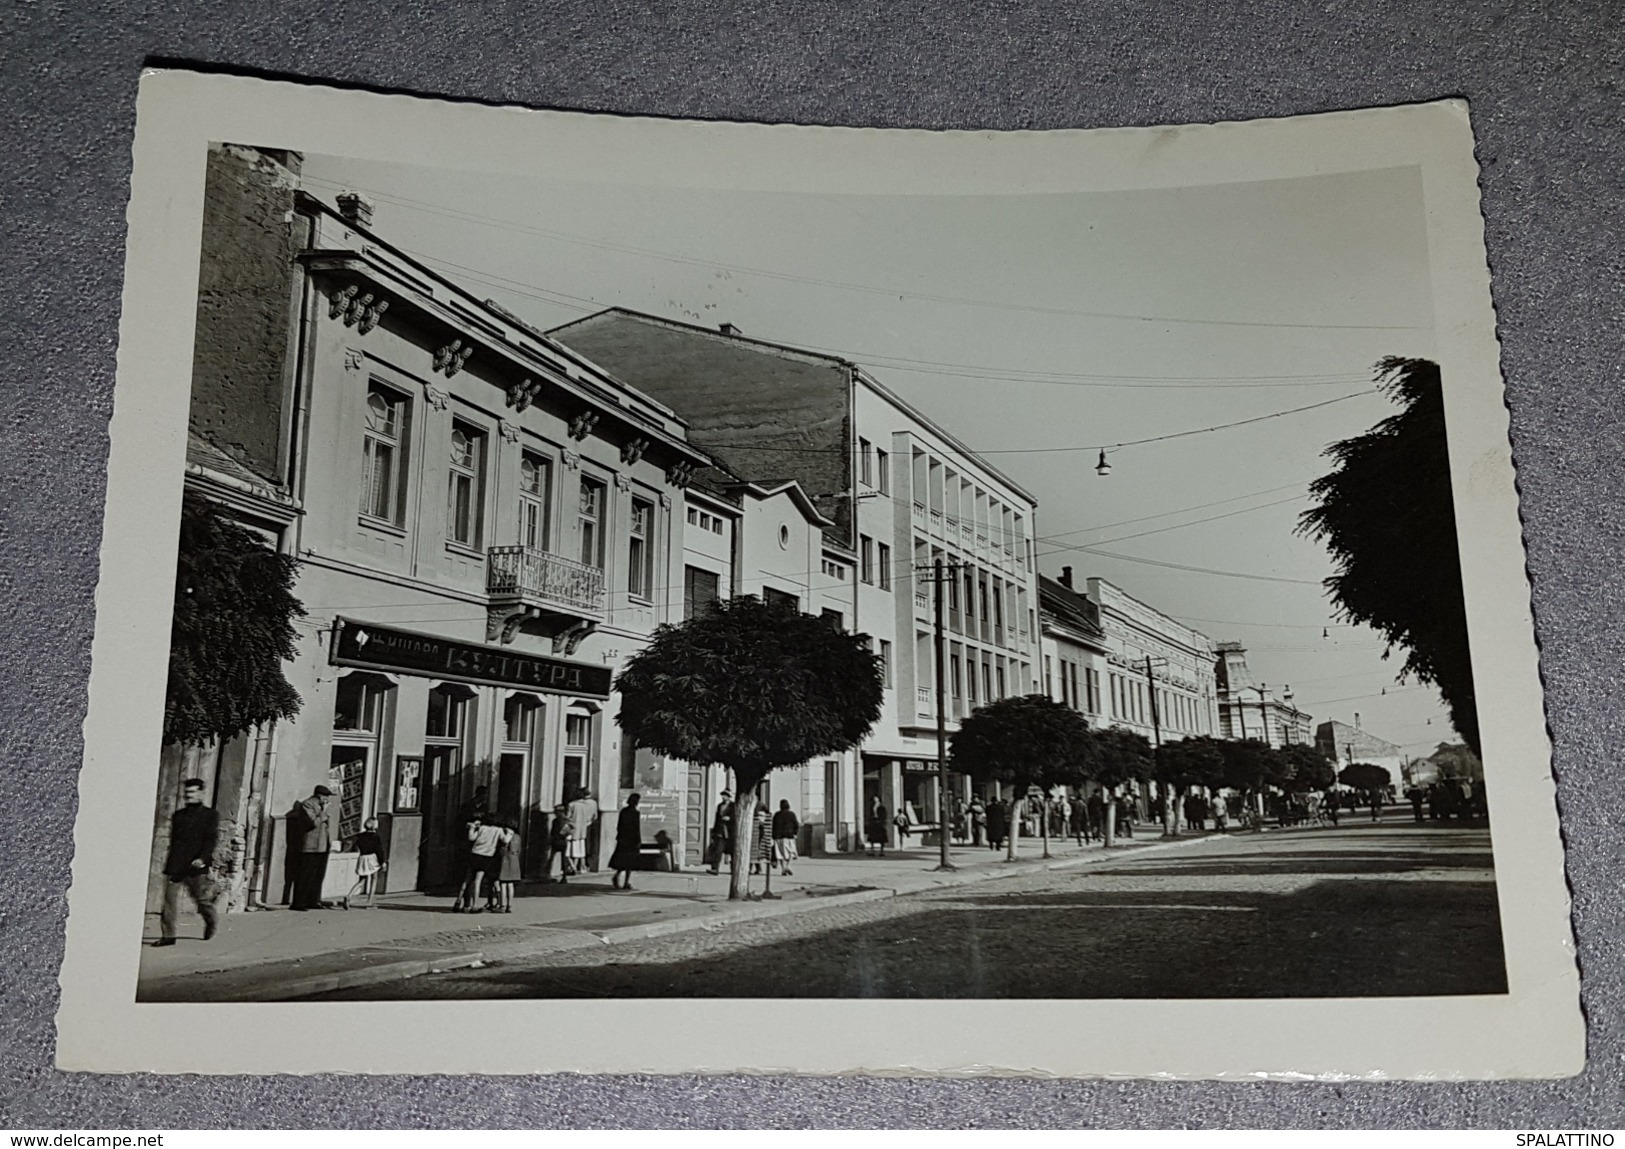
(1544, 81)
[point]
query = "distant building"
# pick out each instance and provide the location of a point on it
(1249, 709)
(1073, 646)
(1349, 744)
(1159, 674)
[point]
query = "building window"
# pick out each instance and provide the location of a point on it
(383, 487)
(1077, 703)
(519, 719)
(590, 514)
(705, 520)
(999, 675)
(699, 591)
(640, 559)
(577, 751)
(835, 570)
(883, 560)
(883, 472)
(448, 707)
(866, 559)
(535, 477)
(780, 599)
(866, 462)
(1049, 689)
(885, 663)
(465, 485)
(835, 619)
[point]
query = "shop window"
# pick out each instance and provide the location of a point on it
(465, 485)
(535, 481)
(358, 704)
(383, 487)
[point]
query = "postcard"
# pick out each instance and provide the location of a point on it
(599, 594)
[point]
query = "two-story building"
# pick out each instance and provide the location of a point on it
(900, 492)
(1159, 672)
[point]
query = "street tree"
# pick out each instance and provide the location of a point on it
(1310, 769)
(751, 687)
(1022, 742)
(1386, 515)
(1121, 756)
(1180, 765)
(1251, 766)
(232, 630)
(1365, 777)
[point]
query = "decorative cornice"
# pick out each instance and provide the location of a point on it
(359, 311)
(633, 450)
(523, 393)
(581, 426)
(679, 474)
(450, 358)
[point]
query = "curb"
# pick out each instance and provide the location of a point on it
(565, 941)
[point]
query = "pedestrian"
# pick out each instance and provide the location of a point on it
(1414, 796)
(1125, 819)
(761, 839)
(874, 827)
(1375, 799)
(998, 824)
(628, 843)
(1218, 806)
(311, 834)
(507, 863)
(722, 832)
(483, 836)
(785, 828)
(583, 813)
(194, 831)
(1078, 822)
(978, 821)
(369, 861)
(470, 811)
(558, 844)
(903, 831)
(1096, 807)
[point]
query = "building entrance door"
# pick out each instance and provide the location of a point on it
(511, 786)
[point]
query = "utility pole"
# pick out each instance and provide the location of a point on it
(940, 573)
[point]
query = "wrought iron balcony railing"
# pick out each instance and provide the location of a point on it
(524, 574)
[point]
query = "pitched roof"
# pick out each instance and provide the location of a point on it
(1068, 607)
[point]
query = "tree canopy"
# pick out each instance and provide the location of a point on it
(1365, 776)
(750, 686)
(232, 630)
(1122, 756)
(1250, 765)
(1025, 741)
(1195, 761)
(1309, 768)
(1386, 515)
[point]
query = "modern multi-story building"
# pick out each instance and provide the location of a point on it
(1159, 672)
(1250, 709)
(901, 494)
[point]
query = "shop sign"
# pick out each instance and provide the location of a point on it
(370, 647)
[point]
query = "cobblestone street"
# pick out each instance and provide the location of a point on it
(1360, 911)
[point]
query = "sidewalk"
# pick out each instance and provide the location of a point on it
(274, 954)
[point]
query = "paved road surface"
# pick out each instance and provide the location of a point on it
(1363, 910)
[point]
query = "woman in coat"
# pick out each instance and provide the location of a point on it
(998, 819)
(628, 844)
(875, 828)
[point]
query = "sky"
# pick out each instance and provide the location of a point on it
(1039, 329)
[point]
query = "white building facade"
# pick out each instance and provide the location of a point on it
(1160, 678)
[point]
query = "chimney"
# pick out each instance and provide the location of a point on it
(1066, 577)
(728, 329)
(1356, 720)
(355, 208)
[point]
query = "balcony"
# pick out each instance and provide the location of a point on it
(926, 703)
(919, 514)
(544, 593)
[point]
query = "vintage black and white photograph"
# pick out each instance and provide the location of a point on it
(590, 589)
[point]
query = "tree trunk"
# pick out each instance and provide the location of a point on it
(1109, 799)
(1170, 811)
(1043, 826)
(739, 864)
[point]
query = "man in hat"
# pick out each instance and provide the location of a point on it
(722, 832)
(194, 830)
(310, 834)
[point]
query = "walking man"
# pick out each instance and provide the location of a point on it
(311, 834)
(722, 832)
(193, 831)
(785, 828)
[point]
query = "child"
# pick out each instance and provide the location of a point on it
(370, 863)
(507, 866)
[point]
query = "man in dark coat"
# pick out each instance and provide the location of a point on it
(194, 830)
(310, 834)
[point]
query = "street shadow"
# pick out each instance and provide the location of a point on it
(1309, 862)
(1329, 939)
